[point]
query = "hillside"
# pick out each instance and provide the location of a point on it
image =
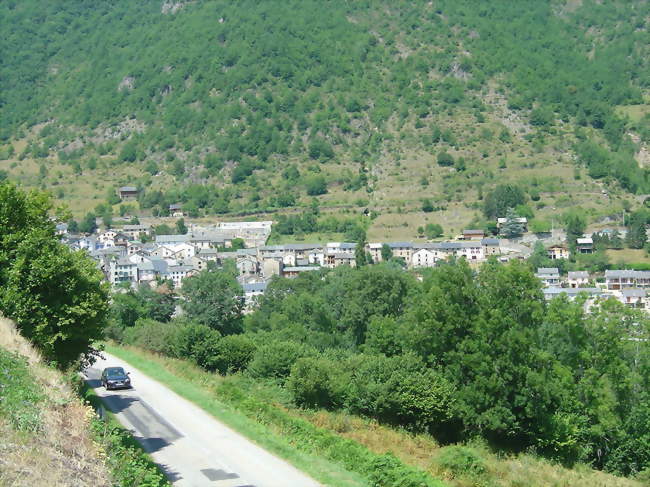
(50, 436)
(44, 428)
(249, 107)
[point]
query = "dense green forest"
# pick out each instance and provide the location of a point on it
(461, 355)
(223, 94)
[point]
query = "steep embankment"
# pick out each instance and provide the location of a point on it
(45, 435)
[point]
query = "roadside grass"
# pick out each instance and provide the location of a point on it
(128, 461)
(249, 408)
(468, 465)
(472, 464)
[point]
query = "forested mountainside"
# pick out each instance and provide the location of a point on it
(259, 105)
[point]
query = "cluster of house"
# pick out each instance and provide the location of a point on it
(584, 245)
(291, 259)
(628, 286)
(132, 254)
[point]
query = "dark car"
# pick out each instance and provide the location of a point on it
(115, 378)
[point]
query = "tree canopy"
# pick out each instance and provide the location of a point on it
(54, 294)
(214, 299)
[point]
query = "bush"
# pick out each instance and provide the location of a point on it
(461, 461)
(423, 399)
(433, 230)
(152, 335)
(186, 337)
(445, 159)
(399, 390)
(318, 382)
(316, 185)
(275, 359)
(206, 352)
(234, 353)
(388, 471)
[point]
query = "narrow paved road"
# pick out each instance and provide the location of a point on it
(192, 447)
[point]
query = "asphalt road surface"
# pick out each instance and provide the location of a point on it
(192, 447)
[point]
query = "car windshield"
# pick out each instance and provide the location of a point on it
(115, 372)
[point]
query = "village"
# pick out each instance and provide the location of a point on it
(135, 255)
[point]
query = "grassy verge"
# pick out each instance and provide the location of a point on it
(130, 465)
(325, 455)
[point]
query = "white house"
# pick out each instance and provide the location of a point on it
(252, 291)
(626, 278)
(122, 270)
(424, 255)
(107, 238)
(208, 254)
(133, 247)
(402, 249)
(550, 276)
(584, 245)
(163, 252)
(171, 240)
(177, 273)
(374, 249)
(151, 269)
(578, 279)
(265, 225)
(634, 298)
(248, 265)
(340, 247)
(592, 294)
(134, 231)
(472, 250)
(184, 251)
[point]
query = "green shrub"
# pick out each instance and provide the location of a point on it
(152, 335)
(206, 352)
(445, 159)
(423, 399)
(275, 359)
(388, 471)
(461, 461)
(130, 466)
(234, 353)
(186, 337)
(399, 390)
(318, 382)
(380, 470)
